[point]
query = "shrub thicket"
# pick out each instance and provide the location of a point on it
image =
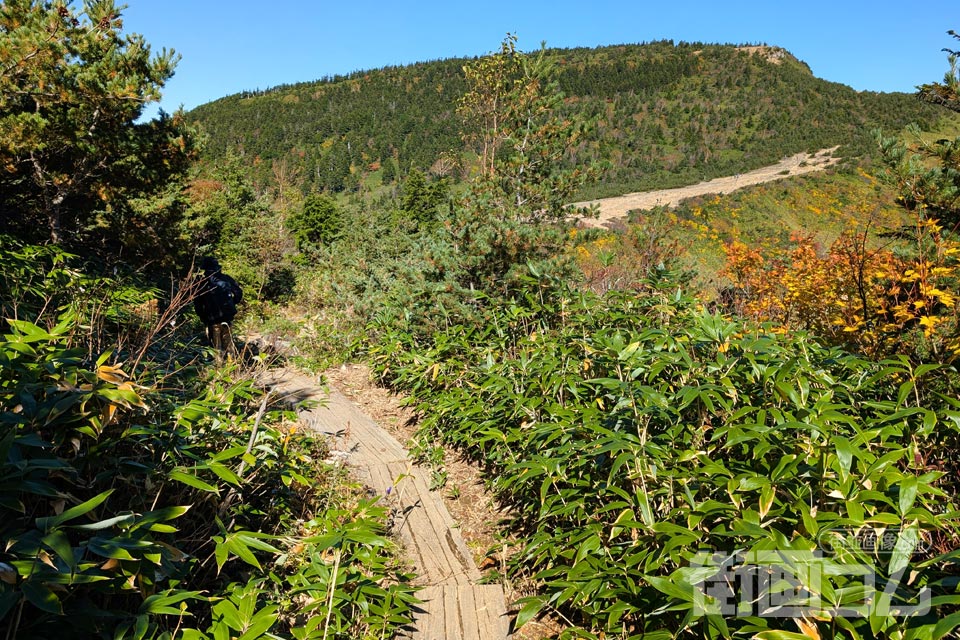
(148, 495)
(646, 446)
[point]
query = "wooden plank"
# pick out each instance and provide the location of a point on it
(451, 611)
(433, 566)
(378, 479)
(454, 608)
(431, 624)
(435, 522)
(400, 467)
(491, 611)
(422, 523)
(429, 564)
(468, 612)
(416, 528)
(373, 442)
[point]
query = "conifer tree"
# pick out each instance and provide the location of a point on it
(947, 93)
(512, 116)
(319, 222)
(930, 178)
(514, 213)
(72, 90)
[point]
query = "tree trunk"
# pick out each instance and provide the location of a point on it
(53, 221)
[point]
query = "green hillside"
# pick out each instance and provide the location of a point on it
(663, 114)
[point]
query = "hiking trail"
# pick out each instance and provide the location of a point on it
(455, 605)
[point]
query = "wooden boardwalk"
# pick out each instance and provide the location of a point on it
(456, 606)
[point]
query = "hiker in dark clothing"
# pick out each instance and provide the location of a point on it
(216, 303)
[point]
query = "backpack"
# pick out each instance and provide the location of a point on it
(218, 302)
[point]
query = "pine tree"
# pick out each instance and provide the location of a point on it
(318, 223)
(72, 89)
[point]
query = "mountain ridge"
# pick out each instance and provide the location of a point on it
(665, 115)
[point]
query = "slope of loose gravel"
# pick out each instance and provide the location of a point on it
(617, 207)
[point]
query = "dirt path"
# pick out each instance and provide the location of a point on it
(618, 207)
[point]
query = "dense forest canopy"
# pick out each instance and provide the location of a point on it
(663, 114)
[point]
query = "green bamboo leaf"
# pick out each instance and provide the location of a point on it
(73, 578)
(45, 524)
(29, 332)
(104, 524)
(924, 369)
(767, 494)
(227, 613)
(905, 547)
(162, 528)
(159, 515)
(780, 635)
(60, 544)
(229, 454)
(238, 547)
(529, 610)
(42, 597)
(908, 494)
(646, 513)
(21, 348)
(192, 481)
(626, 519)
(920, 632)
(683, 593)
(260, 623)
(327, 541)
(854, 511)
(224, 473)
(845, 452)
(256, 540)
(809, 519)
(883, 518)
(127, 398)
(587, 547)
(369, 538)
(161, 603)
(247, 604)
(108, 548)
(221, 552)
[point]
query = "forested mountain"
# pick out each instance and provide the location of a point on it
(663, 113)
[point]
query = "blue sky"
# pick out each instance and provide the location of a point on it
(231, 46)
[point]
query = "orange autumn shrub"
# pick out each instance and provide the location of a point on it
(872, 300)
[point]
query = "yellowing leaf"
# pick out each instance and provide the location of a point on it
(947, 298)
(113, 375)
(106, 415)
(807, 628)
(7, 573)
(111, 565)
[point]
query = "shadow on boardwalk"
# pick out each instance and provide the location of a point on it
(456, 606)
